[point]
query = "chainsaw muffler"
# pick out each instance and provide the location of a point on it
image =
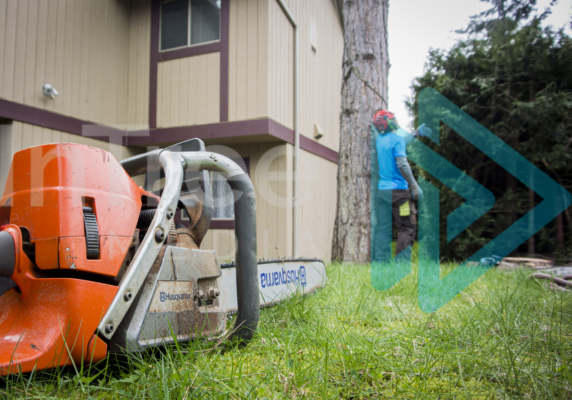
(92, 263)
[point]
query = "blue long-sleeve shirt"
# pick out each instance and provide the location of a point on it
(389, 146)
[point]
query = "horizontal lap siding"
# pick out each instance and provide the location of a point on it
(84, 48)
(248, 59)
(189, 91)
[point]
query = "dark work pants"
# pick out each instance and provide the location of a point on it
(393, 208)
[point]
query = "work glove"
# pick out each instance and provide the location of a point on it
(417, 193)
(424, 131)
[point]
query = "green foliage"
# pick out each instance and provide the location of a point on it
(517, 10)
(504, 337)
(515, 78)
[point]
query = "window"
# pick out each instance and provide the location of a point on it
(223, 201)
(189, 22)
(222, 197)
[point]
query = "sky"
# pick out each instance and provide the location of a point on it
(415, 26)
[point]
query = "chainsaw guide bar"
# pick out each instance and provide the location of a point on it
(278, 280)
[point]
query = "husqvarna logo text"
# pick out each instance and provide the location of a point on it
(166, 296)
(283, 277)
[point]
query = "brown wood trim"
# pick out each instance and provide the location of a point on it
(207, 131)
(318, 149)
(280, 131)
(222, 224)
(154, 68)
(253, 127)
(224, 55)
(51, 120)
(256, 127)
(190, 51)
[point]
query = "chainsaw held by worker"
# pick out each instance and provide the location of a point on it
(92, 263)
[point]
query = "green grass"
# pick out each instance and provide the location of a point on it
(504, 337)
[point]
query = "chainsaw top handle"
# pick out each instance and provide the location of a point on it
(174, 164)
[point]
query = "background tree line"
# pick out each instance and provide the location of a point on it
(513, 76)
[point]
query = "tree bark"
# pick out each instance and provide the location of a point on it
(364, 91)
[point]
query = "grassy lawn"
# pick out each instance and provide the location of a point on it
(504, 337)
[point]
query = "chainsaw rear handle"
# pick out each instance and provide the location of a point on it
(248, 310)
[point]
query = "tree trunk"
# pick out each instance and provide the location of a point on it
(364, 91)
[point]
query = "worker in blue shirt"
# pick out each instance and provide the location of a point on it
(396, 188)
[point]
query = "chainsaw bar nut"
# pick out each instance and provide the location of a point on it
(213, 293)
(159, 235)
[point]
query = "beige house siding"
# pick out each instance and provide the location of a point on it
(270, 171)
(320, 72)
(248, 90)
(222, 241)
(189, 91)
(248, 59)
(139, 61)
(281, 67)
(271, 174)
(317, 205)
(94, 52)
(78, 47)
(18, 136)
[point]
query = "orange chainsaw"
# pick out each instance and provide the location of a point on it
(91, 263)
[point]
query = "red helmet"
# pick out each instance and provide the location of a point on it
(385, 121)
